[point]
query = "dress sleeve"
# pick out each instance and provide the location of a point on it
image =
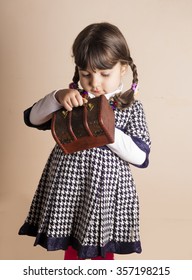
(137, 129)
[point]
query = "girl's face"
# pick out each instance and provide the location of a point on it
(100, 82)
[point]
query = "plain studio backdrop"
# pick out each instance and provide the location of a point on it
(35, 52)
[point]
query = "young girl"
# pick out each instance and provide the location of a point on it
(87, 200)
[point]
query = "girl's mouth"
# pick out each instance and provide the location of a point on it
(96, 91)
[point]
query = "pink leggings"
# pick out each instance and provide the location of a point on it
(71, 254)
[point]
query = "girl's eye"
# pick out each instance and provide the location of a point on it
(105, 74)
(85, 75)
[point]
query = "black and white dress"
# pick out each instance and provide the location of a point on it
(88, 199)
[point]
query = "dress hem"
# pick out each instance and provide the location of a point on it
(62, 243)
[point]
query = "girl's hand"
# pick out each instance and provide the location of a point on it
(69, 98)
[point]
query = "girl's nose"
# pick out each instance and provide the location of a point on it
(94, 82)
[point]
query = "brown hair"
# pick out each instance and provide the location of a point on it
(101, 46)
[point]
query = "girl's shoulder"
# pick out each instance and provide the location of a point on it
(123, 116)
(137, 106)
(137, 103)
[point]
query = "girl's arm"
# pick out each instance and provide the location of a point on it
(133, 144)
(125, 148)
(41, 111)
(40, 114)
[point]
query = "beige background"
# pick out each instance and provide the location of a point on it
(36, 39)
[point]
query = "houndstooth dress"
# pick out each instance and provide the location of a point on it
(88, 199)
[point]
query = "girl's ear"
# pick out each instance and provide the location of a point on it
(124, 68)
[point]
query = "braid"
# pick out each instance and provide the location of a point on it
(124, 100)
(76, 76)
(134, 70)
(74, 84)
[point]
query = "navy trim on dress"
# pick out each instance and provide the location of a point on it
(145, 148)
(62, 243)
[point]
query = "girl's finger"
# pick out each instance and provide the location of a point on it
(67, 105)
(74, 101)
(79, 100)
(84, 100)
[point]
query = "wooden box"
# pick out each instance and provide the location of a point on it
(88, 126)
